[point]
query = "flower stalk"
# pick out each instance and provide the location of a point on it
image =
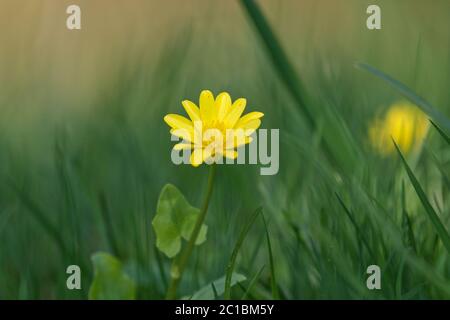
(179, 265)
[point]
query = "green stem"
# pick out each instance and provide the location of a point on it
(179, 265)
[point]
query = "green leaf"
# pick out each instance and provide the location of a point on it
(439, 227)
(110, 281)
(216, 288)
(175, 219)
(273, 281)
(426, 107)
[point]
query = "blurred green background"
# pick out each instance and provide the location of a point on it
(84, 151)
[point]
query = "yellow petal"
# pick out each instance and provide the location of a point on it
(247, 118)
(238, 141)
(206, 106)
(236, 111)
(176, 121)
(197, 157)
(187, 135)
(250, 126)
(222, 105)
(192, 110)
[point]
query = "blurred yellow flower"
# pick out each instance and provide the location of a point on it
(404, 123)
(214, 130)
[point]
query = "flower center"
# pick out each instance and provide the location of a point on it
(214, 132)
(215, 124)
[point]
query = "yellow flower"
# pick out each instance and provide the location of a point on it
(216, 129)
(404, 123)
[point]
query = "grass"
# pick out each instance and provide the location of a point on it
(237, 247)
(440, 229)
(75, 181)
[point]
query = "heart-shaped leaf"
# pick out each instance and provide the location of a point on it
(110, 280)
(175, 219)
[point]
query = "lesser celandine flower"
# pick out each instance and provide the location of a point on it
(215, 129)
(404, 123)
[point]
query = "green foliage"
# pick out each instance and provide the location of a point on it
(273, 278)
(439, 227)
(175, 219)
(441, 132)
(110, 280)
(234, 254)
(426, 107)
(339, 143)
(252, 283)
(216, 288)
(83, 158)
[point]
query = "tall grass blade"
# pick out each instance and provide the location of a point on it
(252, 283)
(273, 281)
(278, 57)
(426, 107)
(42, 219)
(347, 153)
(216, 294)
(407, 225)
(110, 235)
(359, 232)
(442, 133)
(399, 279)
(69, 197)
(160, 265)
(237, 247)
(440, 229)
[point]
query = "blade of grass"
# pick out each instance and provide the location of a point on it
(439, 227)
(110, 235)
(426, 107)
(216, 295)
(69, 197)
(340, 261)
(417, 263)
(160, 265)
(407, 226)
(252, 283)
(359, 232)
(347, 153)
(440, 166)
(232, 262)
(442, 133)
(278, 57)
(399, 279)
(42, 219)
(273, 281)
